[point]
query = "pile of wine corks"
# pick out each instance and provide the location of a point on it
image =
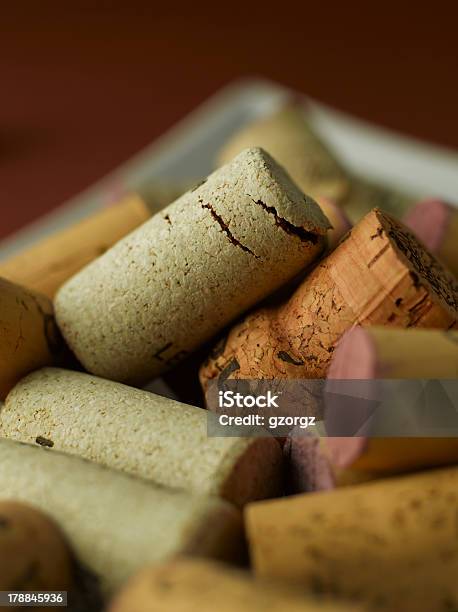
(122, 498)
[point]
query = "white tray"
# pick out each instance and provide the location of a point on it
(188, 151)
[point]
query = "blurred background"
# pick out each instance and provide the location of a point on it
(86, 85)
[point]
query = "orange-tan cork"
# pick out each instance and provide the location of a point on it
(29, 337)
(390, 543)
(378, 275)
(188, 585)
(45, 266)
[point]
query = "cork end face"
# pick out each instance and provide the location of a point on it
(292, 205)
(425, 269)
(429, 220)
(307, 466)
(258, 473)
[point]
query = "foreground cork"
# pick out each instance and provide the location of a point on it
(116, 523)
(436, 223)
(29, 337)
(176, 281)
(140, 433)
(391, 543)
(378, 275)
(34, 555)
(187, 585)
(367, 353)
(45, 266)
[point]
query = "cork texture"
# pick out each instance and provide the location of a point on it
(435, 223)
(115, 523)
(29, 337)
(378, 275)
(34, 555)
(183, 275)
(194, 584)
(391, 543)
(45, 266)
(140, 433)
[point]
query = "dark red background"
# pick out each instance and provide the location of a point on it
(83, 88)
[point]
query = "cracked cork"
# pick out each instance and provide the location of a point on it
(193, 268)
(378, 275)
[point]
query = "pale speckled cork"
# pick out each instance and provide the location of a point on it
(34, 555)
(177, 280)
(115, 523)
(29, 337)
(367, 353)
(391, 543)
(45, 266)
(379, 274)
(195, 585)
(435, 222)
(140, 433)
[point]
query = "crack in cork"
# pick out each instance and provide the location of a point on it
(286, 226)
(225, 228)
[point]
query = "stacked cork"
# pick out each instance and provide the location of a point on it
(292, 268)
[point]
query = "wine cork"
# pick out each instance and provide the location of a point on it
(45, 266)
(378, 275)
(176, 281)
(29, 337)
(436, 223)
(140, 433)
(364, 195)
(115, 523)
(367, 353)
(391, 543)
(187, 585)
(34, 555)
(289, 138)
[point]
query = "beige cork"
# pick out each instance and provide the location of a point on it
(34, 555)
(195, 585)
(390, 543)
(288, 136)
(367, 353)
(140, 433)
(116, 523)
(29, 337)
(364, 195)
(46, 265)
(292, 141)
(435, 222)
(378, 275)
(176, 281)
